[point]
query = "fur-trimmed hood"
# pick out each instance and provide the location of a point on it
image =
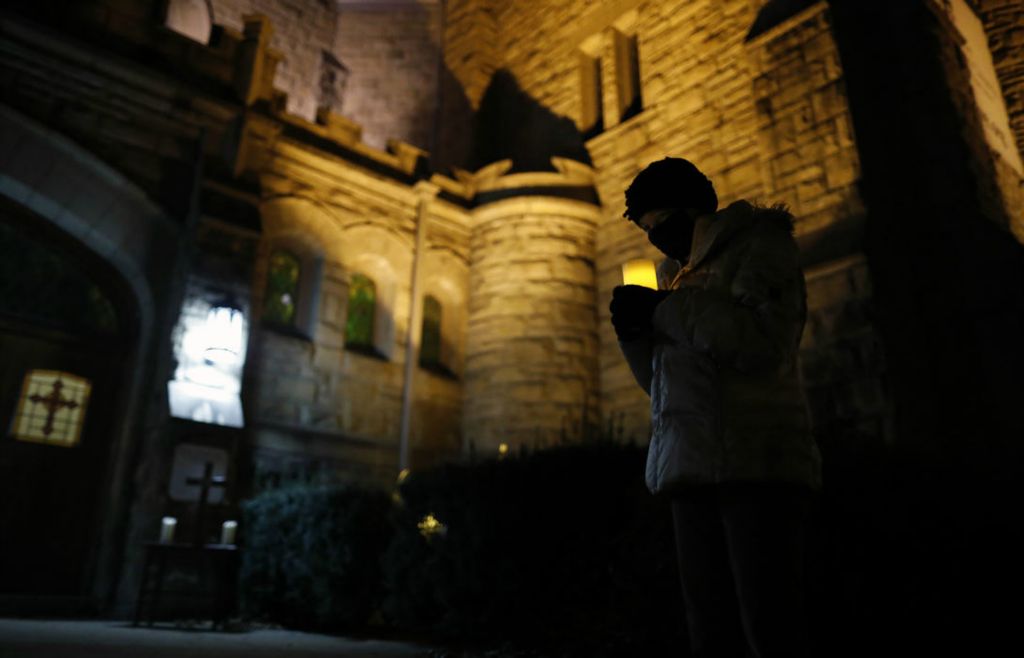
(778, 214)
(713, 231)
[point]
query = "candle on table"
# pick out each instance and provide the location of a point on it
(227, 532)
(167, 526)
(640, 272)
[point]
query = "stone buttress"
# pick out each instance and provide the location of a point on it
(532, 343)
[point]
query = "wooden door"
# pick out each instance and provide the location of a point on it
(51, 495)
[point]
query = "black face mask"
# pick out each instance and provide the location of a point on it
(674, 236)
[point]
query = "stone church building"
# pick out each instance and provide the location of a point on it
(332, 239)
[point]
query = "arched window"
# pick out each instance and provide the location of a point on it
(362, 303)
(281, 298)
(430, 343)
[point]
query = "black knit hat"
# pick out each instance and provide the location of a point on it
(670, 183)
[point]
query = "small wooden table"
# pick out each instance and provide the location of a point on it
(218, 568)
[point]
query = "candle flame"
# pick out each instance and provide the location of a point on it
(640, 272)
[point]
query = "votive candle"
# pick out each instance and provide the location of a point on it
(640, 272)
(167, 525)
(227, 532)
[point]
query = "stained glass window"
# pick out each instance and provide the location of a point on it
(430, 344)
(362, 302)
(52, 408)
(282, 289)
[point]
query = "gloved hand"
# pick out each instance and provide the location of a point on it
(632, 308)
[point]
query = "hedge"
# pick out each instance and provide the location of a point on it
(564, 552)
(311, 557)
(561, 549)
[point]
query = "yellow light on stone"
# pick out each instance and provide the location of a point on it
(404, 473)
(640, 272)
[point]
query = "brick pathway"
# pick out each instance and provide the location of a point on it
(112, 639)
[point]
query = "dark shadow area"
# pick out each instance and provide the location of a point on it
(511, 124)
(63, 311)
(477, 555)
(454, 116)
(948, 278)
(774, 13)
(916, 545)
(44, 287)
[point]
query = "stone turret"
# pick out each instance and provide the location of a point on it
(531, 354)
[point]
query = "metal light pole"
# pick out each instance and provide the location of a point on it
(426, 191)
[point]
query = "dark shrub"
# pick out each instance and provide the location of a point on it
(563, 549)
(312, 555)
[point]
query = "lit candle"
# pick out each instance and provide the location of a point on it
(227, 532)
(502, 449)
(167, 526)
(640, 272)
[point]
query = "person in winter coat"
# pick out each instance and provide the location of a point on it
(731, 446)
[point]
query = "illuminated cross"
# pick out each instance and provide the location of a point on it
(53, 403)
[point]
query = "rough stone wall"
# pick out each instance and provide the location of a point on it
(538, 43)
(392, 54)
(948, 323)
(767, 121)
(808, 154)
(810, 161)
(842, 359)
(318, 402)
(532, 339)
(1004, 25)
(303, 30)
(1000, 187)
(471, 44)
(144, 123)
(470, 57)
(696, 88)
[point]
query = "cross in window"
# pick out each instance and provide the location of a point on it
(53, 403)
(207, 482)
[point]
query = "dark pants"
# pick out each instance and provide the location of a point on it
(740, 552)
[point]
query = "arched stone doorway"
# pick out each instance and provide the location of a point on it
(67, 328)
(94, 258)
